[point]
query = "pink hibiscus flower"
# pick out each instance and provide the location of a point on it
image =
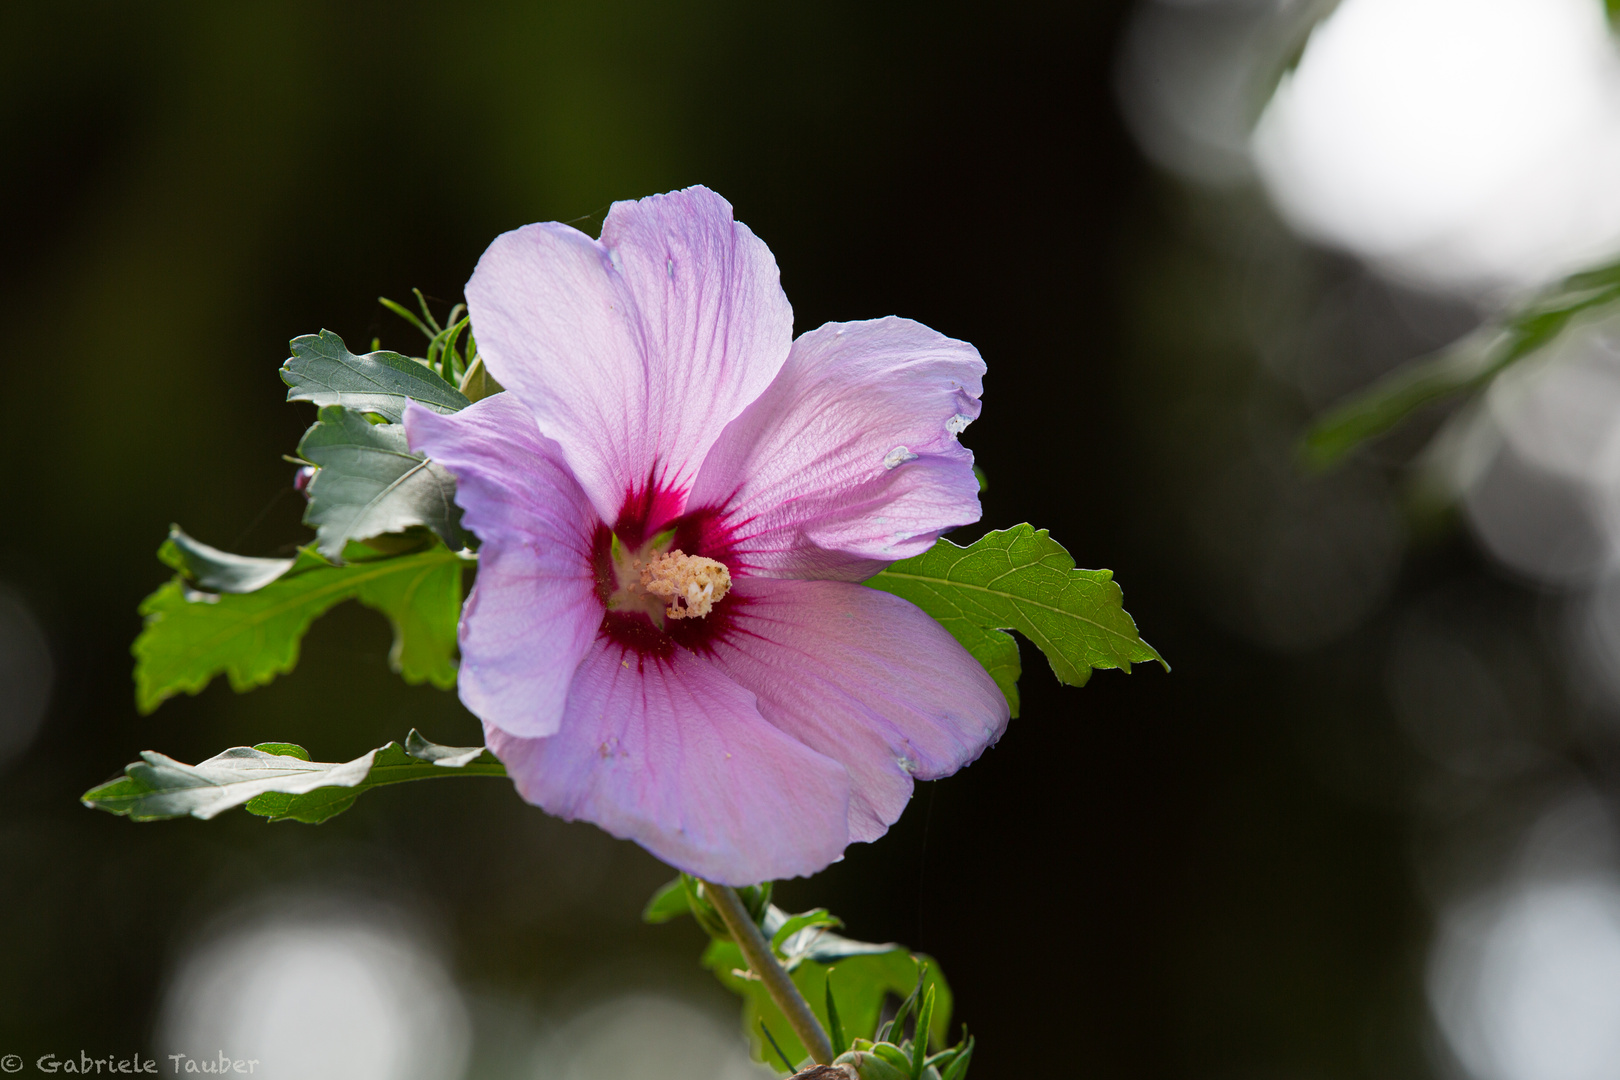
(677, 502)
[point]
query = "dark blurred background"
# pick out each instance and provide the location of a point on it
(1236, 870)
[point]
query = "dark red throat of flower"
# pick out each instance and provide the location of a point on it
(664, 582)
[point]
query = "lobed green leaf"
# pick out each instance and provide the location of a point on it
(191, 636)
(369, 483)
(277, 780)
(324, 371)
(1021, 579)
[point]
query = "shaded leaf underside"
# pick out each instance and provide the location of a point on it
(369, 483)
(220, 571)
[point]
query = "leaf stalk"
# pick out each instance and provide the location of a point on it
(762, 961)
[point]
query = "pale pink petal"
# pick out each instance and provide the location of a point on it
(635, 351)
(850, 459)
(534, 609)
(672, 754)
(867, 679)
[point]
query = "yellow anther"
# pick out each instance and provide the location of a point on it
(691, 583)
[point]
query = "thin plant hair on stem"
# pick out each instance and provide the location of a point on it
(757, 951)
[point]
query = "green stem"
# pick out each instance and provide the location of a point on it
(762, 961)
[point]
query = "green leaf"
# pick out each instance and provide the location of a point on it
(943, 1061)
(405, 313)
(866, 973)
(323, 370)
(424, 605)
(285, 749)
(894, 1031)
(894, 1056)
(667, 903)
(775, 1049)
(835, 1023)
(919, 1045)
(369, 483)
(1021, 579)
(808, 920)
(815, 943)
(311, 808)
(1466, 366)
(280, 786)
(216, 570)
(192, 636)
(958, 1067)
(685, 896)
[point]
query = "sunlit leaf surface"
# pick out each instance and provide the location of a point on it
(277, 780)
(323, 370)
(1021, 579)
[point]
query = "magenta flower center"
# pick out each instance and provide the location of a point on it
(664, 589)
(664, 583)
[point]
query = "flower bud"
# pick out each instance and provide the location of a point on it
(867, 1065)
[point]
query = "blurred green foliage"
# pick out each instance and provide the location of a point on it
(1466, 366)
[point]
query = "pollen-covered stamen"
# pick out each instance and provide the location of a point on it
(692, 584)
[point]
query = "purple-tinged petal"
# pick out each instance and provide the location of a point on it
(867, 679)
(534, 610)
(850, 458)
(674, 755)
(635, 351)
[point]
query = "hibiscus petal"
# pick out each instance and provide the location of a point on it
(867, 679)
(850, 458)
(635, 351)
(674, 755)
(534, 610)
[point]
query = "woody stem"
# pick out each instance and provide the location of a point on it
(762, 961)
